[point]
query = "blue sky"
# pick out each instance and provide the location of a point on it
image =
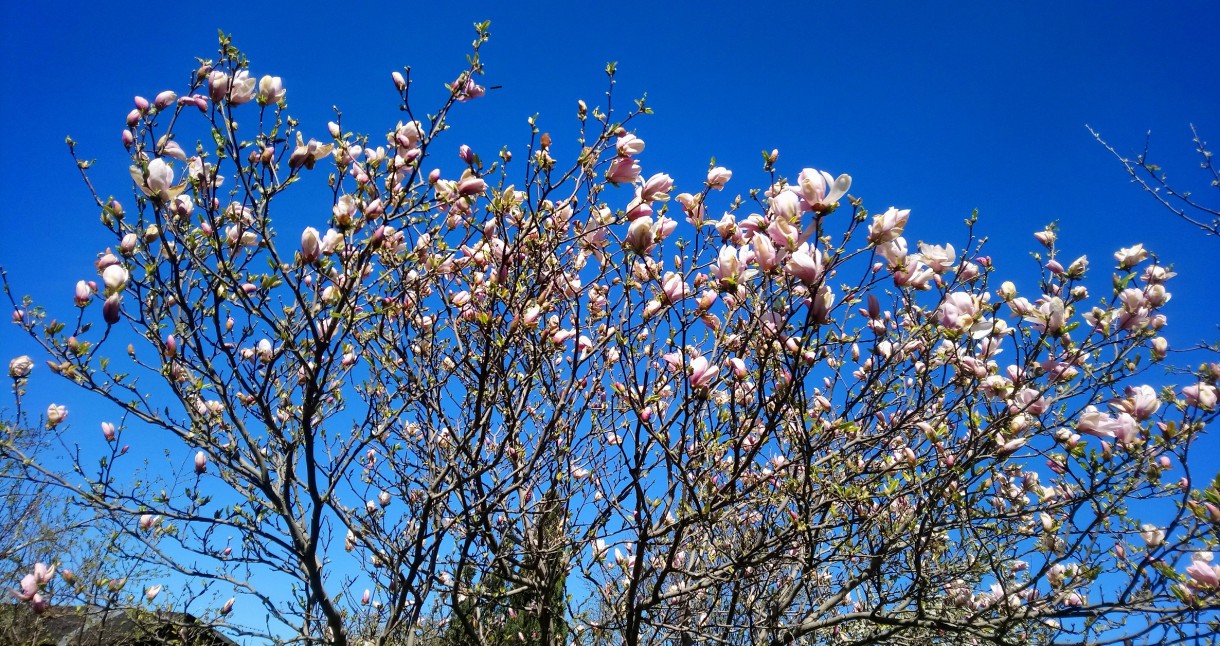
(941, 109)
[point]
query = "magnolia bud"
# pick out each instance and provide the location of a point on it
(201, 462)
(165, 99)
(108, 431)
(128, 245)
(84, 293)
(110, 309)
(399, 81)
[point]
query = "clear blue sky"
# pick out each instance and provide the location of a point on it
(944, 110)
(941, 110)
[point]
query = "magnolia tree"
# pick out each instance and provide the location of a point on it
(554, 400)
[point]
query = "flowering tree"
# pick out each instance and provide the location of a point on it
(577, 407)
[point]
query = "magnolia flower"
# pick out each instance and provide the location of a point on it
(201, 462)
(718, 177)
(110, 308)
(56, 413)
(20, 367)
(471, 184)
(765, 254)
(640, 235)
(1129, 257)
(623, 170)
(702, 373)
(115, 277)
(308, 154)
(806, 264)
(888, 226)
(83, 294)
(1153, 536)
(674, 288)
(730, 267)
(820, 192)
(786, 206)
(629, 145)
(311, 245)
(656, 188)
(270, 90)
(959, 310)
(158, 182)
(238, 89)
(1202, 572)
(939, 259)
(1141, 402)
(1200, 395)
(152, 592)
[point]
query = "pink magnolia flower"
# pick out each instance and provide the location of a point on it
(640, 235)
(238, 89)
(165, 99)
(29, 588)
(959, 310)
(1153, 536)
(629, 145)
(1202, 572)
(111, 311)
(939, 259)
(786, 206)
(115, 278)
(623, 170)
(270, 90)
(888, 226)
(309, 153)
(471, 184)
(466, 89)
(159, 181)
(674, 288)
(1200, 395)
(730, 268)
(656, 188)
(56, 413)
(1129, 257)
(806, 264)
(764, 254)
(820, 192)
(702, 373)
(1141, 402)
(822, 303)
(201, 462)
(718, 177)
(20, 367)
(43, 573)
(311, 245)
